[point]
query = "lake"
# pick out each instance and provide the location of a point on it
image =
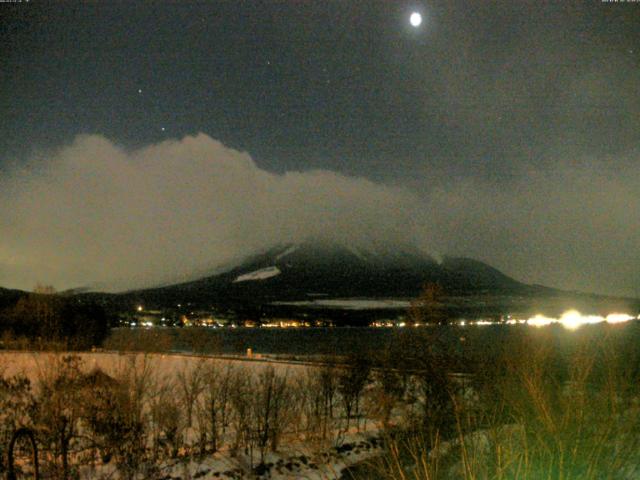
(467, 341)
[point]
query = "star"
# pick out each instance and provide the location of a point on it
(139, 90)
(163, 129)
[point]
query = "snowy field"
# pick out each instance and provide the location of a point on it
(314, 448)
(165, 366)
(175, 416)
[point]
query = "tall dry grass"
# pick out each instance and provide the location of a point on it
(548, 407)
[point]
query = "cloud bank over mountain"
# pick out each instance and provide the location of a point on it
(92, 213)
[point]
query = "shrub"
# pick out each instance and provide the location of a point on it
(537, 415)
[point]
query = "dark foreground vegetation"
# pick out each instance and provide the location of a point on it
(535, 404)
(547, 404)
(44, 319)
(446, 402)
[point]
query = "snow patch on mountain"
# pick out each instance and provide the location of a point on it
(355, 251)
(288, 251)
(261, 274)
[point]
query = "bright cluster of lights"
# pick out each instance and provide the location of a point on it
(572, 319)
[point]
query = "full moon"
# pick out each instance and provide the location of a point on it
(415, 19)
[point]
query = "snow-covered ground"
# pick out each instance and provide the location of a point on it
(35, 364)
(291, 462)
(296, 458)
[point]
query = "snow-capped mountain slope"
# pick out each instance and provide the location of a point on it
(261, 274)
(312, 269)
(352, 284)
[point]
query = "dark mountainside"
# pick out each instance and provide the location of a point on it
(311, 270)
(316, 271)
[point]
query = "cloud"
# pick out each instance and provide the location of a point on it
(571, 225)
(95, 214)
(92, 213)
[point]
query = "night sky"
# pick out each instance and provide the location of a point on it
(141, 142)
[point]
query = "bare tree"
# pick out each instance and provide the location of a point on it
(58, 410)
(328, 383)
(429, 306)
(304, 395)
(190, 385)
(167, 420)
(118, 429)
(215, 404)
(428, 355)
(352, 379)
(390, 388)
(241, 398)
(271, 394)
(121, 420)
(318, 393)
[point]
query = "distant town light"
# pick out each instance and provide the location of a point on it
(139, 308)
(572, 319)
(540, 321)
(618, 318)
(484, 322)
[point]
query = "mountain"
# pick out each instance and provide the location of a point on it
(297, 272)
(350, 285)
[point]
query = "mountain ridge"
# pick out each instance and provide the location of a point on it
(295, 271)
(287, 280)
